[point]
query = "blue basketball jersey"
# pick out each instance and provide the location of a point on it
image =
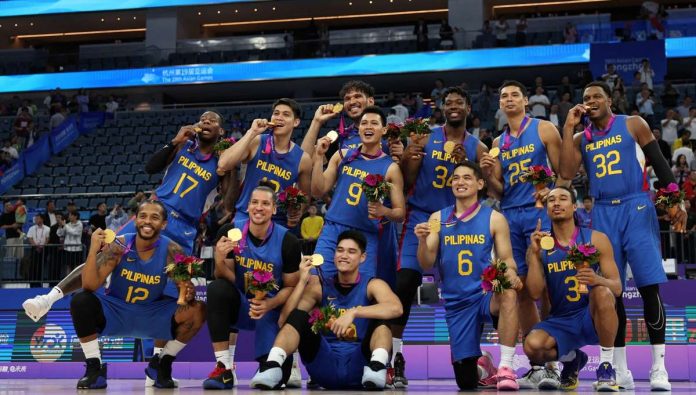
(525, 151)
(356, 297)
(187, 183)
(348, 205)
(280, 170)
(465, 251)
(615, 163)
(137, 281)
(266, 257)
(352, 139)
(561, 283)
(433, 188)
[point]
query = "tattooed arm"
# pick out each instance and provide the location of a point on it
(99, 264)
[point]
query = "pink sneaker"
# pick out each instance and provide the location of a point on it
(487, 371)
(507, 380)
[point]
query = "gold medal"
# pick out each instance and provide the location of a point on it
(338, 107)
(547, 243)
(449, 146)
(434, 226)
(197, 129)
(494, 152)
(317, 260)
(234, 234)
(332, 135)
(109, 236)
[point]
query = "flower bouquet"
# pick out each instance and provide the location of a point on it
(416, 128)
(376, 188)
(259, 283)
(393, 131)
(582, 256)
(493, 277)
(183, 269)
(291, 200)
(322, 318)
(670, 199)
(540, 176)
(223, 144)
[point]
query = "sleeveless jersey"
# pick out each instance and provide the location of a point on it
(266, 257)
(356, 297)
(465, 251)
(560, 279)
(615, 163)
(137, 281)
(524, 152)
(352, 139)
(187, 182)
(279, 170)
(433, 188)
(348, 205)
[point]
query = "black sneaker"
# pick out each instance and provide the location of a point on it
(311, 384)
(400, 380)
(95, 375)
(220, 378)
(160, 370)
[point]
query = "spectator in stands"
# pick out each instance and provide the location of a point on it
(645, 103)
(82, 101)
(410, 103)
(20, 210)
(436, 93)
(584, 213)
(619, 102)
(665, 147)
(670, 125)
(57, 118)
(401, 111)
(135, 201)
(485, 137)
(53, 251)
(12, 229)
(25, 103)
(38, 238)
(437, 118)
(487, 36)
(620, 85)
(538, 82)
(236, 127)
(116, 218)
(681, 169)
(98, 219)
(670, 96)
(23, 126)
(72, 241)
(580, 182)
(570, 34)
(421, 33)
(566, 87)
(9, 149)
(501, 32)
(610, 76)
(49, 216)
(500, 121)
(689, 121)
(554, 116)
(685, 107)
(636, 83)
(521, 32)
(539, 103)
(390, 101)
(111, 105)
(393, 118)
(646, 73)
(564, 106)
(475, 128)
(689, 187)
(482, 101)
(58, 98)
(683, 140)
(310, 229)
(446, 35)
(71, 207)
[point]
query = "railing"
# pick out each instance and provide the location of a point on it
(25, 263)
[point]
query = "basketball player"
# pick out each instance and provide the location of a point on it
(349, 208)
(525, 142)
(333, 361)
(577, 318)
(134, 304)
(614, 150)
(264, 246)
(427, 169)
(462, 250)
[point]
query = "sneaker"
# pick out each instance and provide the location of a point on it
(311, 384)
(624, 379)
(507, 380)
(374, 376)
(571, 371)
(486, 371)
(659, 380)
(155, 363)
(160, 370)
(400, 380)
(268, 377)
(549, 381)
(295, 380)
(220, 378)
(390, 377)
(37, 307)
(531, 379)
(606, 378)
(95, 375)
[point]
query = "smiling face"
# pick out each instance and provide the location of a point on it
(371, 129)
(456, 109)
(512, 100)
(598, 102)
(211, 128)
(261, 207)
(348, 256)
(355, 102)
(465, 183)
(284, 117)
(149, 221)
(559, 205)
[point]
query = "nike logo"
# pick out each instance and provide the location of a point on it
(330, 298)
(642, 207)
(188, 233)
(550, 252)
(437, 141)
(130, 259)
(227, 380)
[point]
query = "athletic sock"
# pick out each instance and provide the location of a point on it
(172, 348)
(506, 356)
(223, 357)
(277, 355)
(606, 354)
(91, 349)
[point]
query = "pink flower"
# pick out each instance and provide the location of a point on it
(262, 276)
(587, 249)
(672, 187)
(547, 171)
(179, 258)
(315, 316)
(282, 197)
(490, 273)
(371, 180)
(487, 286)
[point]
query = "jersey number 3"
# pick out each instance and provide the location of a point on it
(606, 163)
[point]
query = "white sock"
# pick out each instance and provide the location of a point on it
(506, 356)
(564, 358)
(172, 348)
(606, 354)
(397, 346)
(380, 355)
(277, 354)
(224, 357)
(91, 349)
(232, 349)
(156, 350)
(658, 357)
(620, 359)
(55, 295)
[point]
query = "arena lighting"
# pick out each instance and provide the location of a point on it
(67, 34)
(324, 18)
(546, 3)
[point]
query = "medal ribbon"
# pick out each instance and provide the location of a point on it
(506, 142)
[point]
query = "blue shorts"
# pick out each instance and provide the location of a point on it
(631, 226)
(571, 331)
(408, 244)
(465, 324)
(146, 320)
(265, 329)
(523, 222)
(387, 251)
(179, 230)
(338, 366)
(326, 246)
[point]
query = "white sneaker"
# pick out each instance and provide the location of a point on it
(624, 379)
(659, 381)
(531, 379)
(295, 380)
(37, 307)
(549, 381)
(372, 380)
